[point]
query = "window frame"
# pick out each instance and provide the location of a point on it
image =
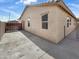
(28, 21)
(68, 21)
(45, 21)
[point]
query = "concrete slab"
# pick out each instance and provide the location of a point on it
(46, 57)
(16, 45)
(66, 49)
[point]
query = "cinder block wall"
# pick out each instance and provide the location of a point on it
(2, 29)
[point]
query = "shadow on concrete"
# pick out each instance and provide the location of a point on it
(10, 31)
(42, 43)
(66, 49)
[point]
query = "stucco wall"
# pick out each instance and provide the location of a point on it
(35, 14)
(62, 21)
(55, 31)
(2, 29)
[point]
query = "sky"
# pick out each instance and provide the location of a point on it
(14, 8)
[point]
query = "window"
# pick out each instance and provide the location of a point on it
(29, 22)
(45, 25)
(45, 21)
(67, 24)
(68, 21)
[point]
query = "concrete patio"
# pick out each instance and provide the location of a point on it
(14, 45)
(66, 49)
(24, 45)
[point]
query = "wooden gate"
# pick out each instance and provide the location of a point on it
(13, 26)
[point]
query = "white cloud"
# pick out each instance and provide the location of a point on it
(74, 8)
(9, 11)
(13, 7)
(26, 2)
(74, 5)
(4, 18)
(13, 14)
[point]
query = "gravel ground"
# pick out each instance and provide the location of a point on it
(14, 45)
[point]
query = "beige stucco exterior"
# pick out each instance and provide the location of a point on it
(56, 22)
(62, 28)
(2, 29)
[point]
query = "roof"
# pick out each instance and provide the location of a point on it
(61, 4)
(23, 12)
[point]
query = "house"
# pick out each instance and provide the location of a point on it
(2, 29)
(52, 20)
